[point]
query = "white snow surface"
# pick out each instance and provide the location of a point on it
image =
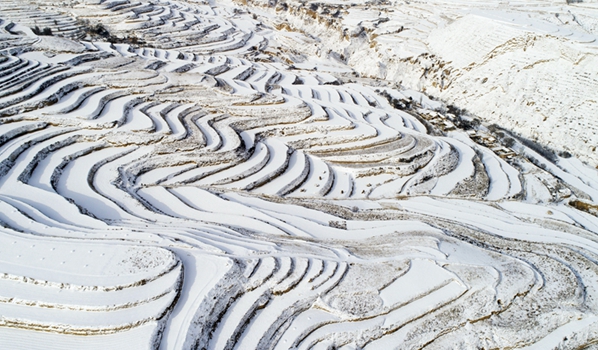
(287, 175)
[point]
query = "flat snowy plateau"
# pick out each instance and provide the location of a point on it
(239, 174)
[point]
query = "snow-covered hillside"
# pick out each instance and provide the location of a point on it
(227, 175)
(530, 66)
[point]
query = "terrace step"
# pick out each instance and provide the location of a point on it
(276, 164)
(318, 182)
(296, 173)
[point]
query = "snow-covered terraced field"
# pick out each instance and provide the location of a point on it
(196, 175)
(499, 60)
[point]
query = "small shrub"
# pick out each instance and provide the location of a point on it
(401, 104)
(340, 224)
(508, 142)
(455, 110)
(98, 30)
(565, 154)
(46, 31)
